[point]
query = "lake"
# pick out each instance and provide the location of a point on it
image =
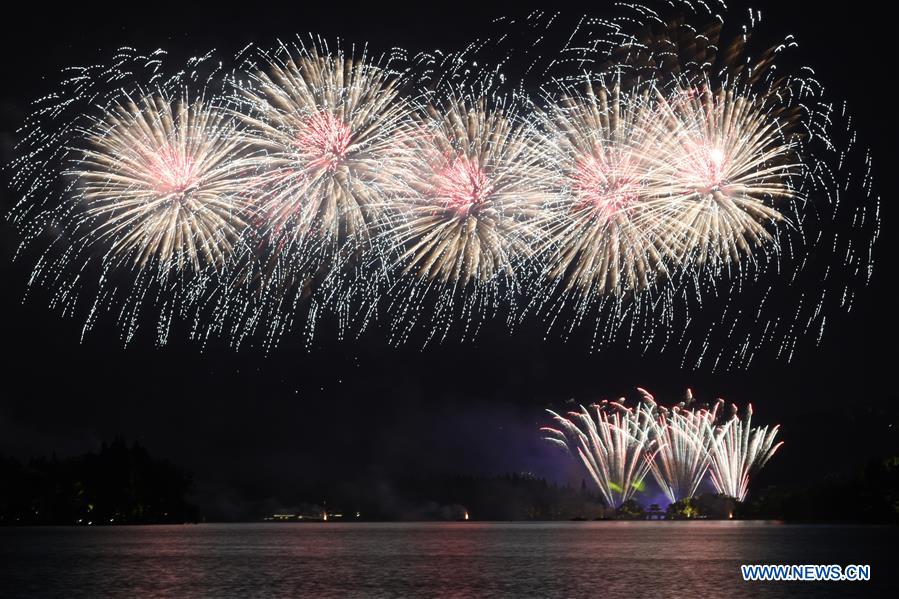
(464, 559)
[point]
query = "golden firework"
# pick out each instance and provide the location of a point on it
(471, 196)
(164, 181)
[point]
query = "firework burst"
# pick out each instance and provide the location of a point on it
(723, 160)
(603, 232)
(472, 193)
(466, 214)
(163, 180)
(329, 132)
(138, 194)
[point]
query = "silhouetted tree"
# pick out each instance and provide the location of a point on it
(117, 485)
(630, 509)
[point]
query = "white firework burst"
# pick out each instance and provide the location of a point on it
(163, 180)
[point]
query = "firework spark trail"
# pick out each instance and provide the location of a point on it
(328, 132)
(466, 213)
(615, 447)
(737, 451)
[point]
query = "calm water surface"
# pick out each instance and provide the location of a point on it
(570, 559)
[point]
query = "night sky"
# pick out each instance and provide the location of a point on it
(260, 432)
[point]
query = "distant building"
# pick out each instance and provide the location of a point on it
(655, 512)
(308, 513)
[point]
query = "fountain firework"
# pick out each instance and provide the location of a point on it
(738, 451)
(678, 445)
(614, 445)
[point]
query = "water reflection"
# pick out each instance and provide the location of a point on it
(608, 559)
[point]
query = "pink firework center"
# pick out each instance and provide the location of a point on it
(324, 141)
(609, 187)
(172, 171)
(462, 186)
(320, 148)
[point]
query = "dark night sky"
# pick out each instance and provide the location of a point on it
(292, 426)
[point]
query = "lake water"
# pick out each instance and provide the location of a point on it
(571, 559)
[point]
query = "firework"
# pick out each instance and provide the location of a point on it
(679, 445)
(328, 130)
(682, 437)
(135, 196)
(465, 216)
(615, 447)
(737, 451)
(666, 187)
(723, 159)
(474, 189)
(606, 231)
(163, 181)
(739, 223)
